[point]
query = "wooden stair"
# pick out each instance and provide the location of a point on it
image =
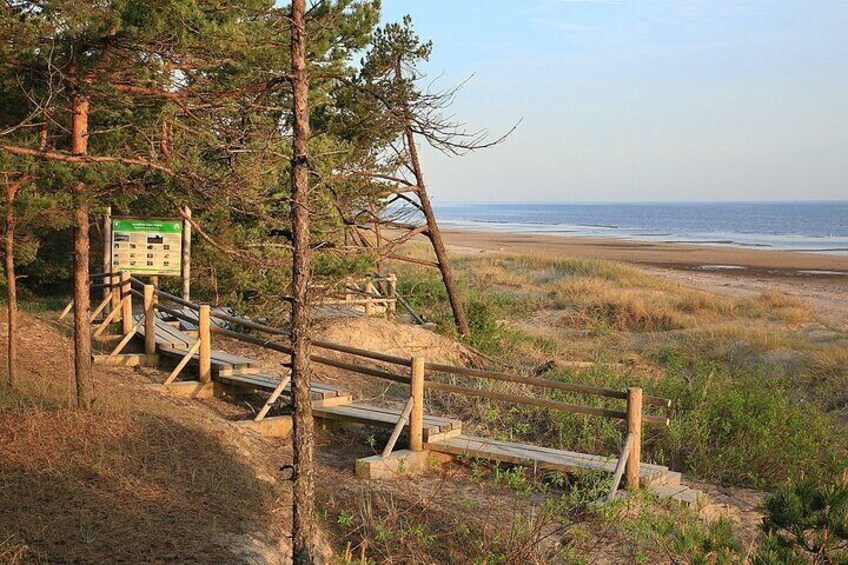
(360, 413)
(442, 435)
(538, 457)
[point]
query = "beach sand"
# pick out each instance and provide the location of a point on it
(816, 279)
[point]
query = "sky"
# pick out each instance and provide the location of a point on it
(642, 100)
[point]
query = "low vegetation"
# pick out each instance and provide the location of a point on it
(755, 381)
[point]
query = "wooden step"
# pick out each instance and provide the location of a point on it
(253, 369)
(680, 494)
(185, 325)
(538, 457)
(268, 383)
(673, 479)
(366, 414)
(167, 335)
(220, 360)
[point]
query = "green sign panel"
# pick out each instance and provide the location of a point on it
(147, 247)
(162, 226)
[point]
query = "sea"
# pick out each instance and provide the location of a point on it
(808, 227)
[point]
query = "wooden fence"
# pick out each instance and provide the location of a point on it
(413, 376)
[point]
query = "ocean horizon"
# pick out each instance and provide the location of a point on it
(803, 226)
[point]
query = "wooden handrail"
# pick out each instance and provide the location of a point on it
(529, 400)
(546, 383)
(438, 367)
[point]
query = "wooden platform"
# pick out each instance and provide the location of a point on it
(367, 414)
(538, 457)
(268, 383)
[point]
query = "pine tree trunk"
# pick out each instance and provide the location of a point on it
(303, 519)
(82, 306)
(11, 284)
(436, 237)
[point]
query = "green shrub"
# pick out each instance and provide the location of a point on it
(806, 519)
(744, 426)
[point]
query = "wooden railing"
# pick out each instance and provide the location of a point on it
(632, 413)
(372, 293)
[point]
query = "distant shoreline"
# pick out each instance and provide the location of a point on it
(806, 227)
(767, 242)
(686, 256)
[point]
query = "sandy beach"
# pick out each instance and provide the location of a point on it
(819, 280)
(757, 262)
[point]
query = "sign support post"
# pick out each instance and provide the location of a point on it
(185, 259)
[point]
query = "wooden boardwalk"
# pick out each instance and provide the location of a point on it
(444, 435)
(538, 457)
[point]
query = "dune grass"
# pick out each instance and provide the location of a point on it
(135, 479)
(756, 399)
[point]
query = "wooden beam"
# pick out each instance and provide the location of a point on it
(205, 338)
(634, 427)
(273, 398)
(404, 416)
(416, 392)
(542, 402)
(183, 362)
(619, 467)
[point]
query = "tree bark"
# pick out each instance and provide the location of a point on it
(82, 322)
(11, 284)
(303, 517)
(436, 236)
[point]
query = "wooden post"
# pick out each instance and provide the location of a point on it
(185, 255)
(634, 427)
(369, 299)
(205, 336)
(416, 418)
(154, 280)
(126, 302)
(391, 303)
(149, 322)
(107, 255)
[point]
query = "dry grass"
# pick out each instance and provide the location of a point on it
(136, 479)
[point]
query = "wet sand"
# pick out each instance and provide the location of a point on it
(702, 258)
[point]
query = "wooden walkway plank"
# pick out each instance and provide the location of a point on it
(268, 383)
(383, 417)
(540, 457)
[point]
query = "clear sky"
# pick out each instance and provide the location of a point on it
(643, 100)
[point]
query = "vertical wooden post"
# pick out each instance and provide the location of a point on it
(205, 336)
(416, 418)
(149, 322)
(126, 302)
(185, 254)
(348, 283)
(369, 298)
(154, 280)
(634, 426)
(107, 256)
(391, 303)
(114, 279)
